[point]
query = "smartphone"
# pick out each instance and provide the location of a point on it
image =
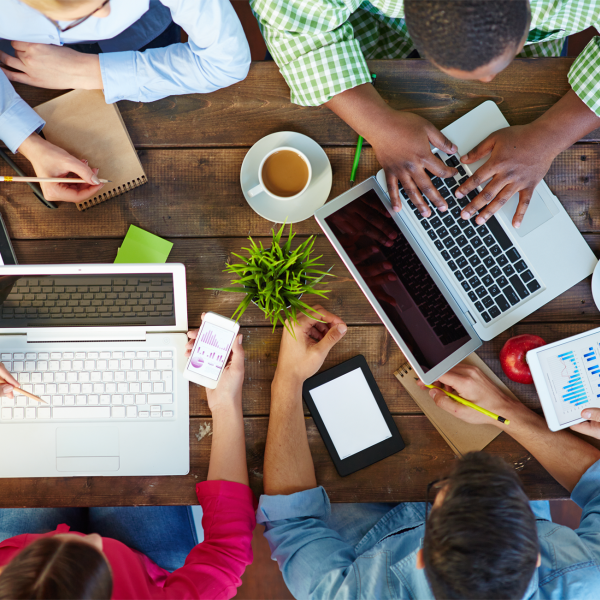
(211, 350)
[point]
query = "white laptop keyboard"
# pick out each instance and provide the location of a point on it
(90, 386)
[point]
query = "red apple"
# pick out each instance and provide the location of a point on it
(512, 357)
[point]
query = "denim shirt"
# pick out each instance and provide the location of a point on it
(317, 563)
(216, 55)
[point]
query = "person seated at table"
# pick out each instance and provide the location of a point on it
(139, 552)
(130, 49)
(321, 48)
(482, 538)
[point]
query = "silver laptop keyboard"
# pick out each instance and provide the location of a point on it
(483, 259)
(129, 384)
(92, 301)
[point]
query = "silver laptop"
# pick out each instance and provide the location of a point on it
(103, 346)
(441, 285)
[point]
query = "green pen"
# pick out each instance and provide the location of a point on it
(359, 145)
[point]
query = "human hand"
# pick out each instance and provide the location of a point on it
(517, 163)
(49, 160)
(52, 67)
(401, 144)
(7, 381)
(591, 427)
(228, 393)
(302, 357)
(471, 384)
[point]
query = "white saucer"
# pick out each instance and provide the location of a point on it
(304, 206)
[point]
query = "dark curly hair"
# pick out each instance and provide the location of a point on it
(465, 34)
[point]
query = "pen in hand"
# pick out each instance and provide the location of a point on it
(470, 404)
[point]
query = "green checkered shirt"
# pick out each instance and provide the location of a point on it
(321, 46)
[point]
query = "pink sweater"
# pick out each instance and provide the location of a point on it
(212, 569)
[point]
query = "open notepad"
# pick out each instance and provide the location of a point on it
(460, 436)
(85, 126)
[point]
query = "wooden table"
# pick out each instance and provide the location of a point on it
(192, 149)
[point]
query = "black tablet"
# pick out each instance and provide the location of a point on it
(352, 416)
(7, 254)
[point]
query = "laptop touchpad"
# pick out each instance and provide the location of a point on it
(537, 213)
(87, 449)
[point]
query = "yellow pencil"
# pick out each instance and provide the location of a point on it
(460, 400)
(9, 178)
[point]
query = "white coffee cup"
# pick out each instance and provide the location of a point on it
(261, 187)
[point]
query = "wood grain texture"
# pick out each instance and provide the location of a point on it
(196, 193)
(401, 477)
(243, 113)
(205, 259)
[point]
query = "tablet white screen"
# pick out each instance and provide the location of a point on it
(350, 413)
(572, 374)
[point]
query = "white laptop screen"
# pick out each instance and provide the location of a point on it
(395, 275)
(87, 300)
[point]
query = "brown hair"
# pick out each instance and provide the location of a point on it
(59, 569)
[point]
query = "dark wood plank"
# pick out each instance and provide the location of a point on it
(243, 113)
(402, 477)
(196, 193)
(205, 260)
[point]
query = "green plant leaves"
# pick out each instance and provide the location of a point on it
(275, 278)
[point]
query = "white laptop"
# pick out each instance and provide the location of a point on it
(451, 283)
(104, 346)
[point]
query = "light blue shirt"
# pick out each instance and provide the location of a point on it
(317, 563)
(216, 55)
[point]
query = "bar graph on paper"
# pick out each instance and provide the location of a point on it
(573, 376)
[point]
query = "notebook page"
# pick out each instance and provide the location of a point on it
(85, 126)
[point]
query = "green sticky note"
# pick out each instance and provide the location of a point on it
(140, 246)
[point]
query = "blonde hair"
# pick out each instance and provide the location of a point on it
(54, 5)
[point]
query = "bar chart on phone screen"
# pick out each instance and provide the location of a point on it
(573, 376)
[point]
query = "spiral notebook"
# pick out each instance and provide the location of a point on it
(460, 436)
(85, 126)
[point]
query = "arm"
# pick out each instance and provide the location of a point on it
(213, 569)
(228, 451)
(521, 156)
(288, 466)
(313, 558)
(322, 62)
(17, 119)
(216, 56)
(563, 455)
(19, 125)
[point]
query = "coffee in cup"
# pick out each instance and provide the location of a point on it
(284, 173)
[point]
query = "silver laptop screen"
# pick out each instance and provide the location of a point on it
(86, 300)
(397, 278)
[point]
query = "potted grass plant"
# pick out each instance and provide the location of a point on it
(276, 277)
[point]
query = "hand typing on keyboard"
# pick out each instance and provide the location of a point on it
(402, 149)
(87, 383)
(517, 164)
(7, 381)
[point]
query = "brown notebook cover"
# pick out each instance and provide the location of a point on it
(460, 436)
(85, 126)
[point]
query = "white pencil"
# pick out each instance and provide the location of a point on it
(46, 179)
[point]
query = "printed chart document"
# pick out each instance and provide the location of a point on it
(350, 413)
(572, 373)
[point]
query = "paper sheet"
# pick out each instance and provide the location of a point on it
(85, 126)
(350, 413)
(140, 246)
(460, 436)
